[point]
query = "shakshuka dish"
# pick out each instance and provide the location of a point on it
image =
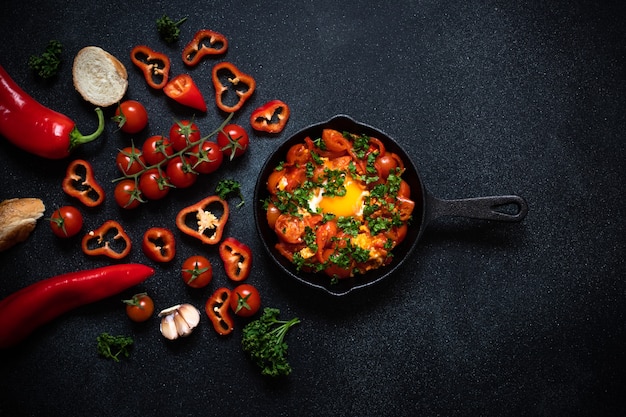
(338, 204)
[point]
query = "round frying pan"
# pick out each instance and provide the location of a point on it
(505, 208)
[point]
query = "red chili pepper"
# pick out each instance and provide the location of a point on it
(228, 79)
(182, 89)
(208, 226)
(105, 241)
(237, 259)
(29, 308)
(205, 42)
(35, 128)
(270, 117)
(159, 244)
(81, 183)
(217, 308)
(154, 65)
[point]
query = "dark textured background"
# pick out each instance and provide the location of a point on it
(488, 97)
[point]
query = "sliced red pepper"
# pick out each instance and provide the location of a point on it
(205, 42)
(217, 308)
(237, 259)
(208, 226)
(228, 79)
(183, 90)
(159, 244)
(270, 117)
(154, 65)
(110, 240)
(81, 183)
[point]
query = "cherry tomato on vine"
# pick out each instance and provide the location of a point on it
(233, 141)
(153, 185)
(156, 149)
(131, 116)
(245, 300)
(66, 221)
(127, 195)
(129, 160)
(184, 133)
(197, 271)
(180, 172)
(140, 307)
(206, 157)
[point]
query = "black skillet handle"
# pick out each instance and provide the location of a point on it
(505, 208)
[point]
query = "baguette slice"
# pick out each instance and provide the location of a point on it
(18, 217)
(99, 77)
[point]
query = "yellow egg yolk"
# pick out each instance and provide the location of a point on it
(350, 204)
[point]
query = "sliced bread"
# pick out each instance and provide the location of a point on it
(99, 77)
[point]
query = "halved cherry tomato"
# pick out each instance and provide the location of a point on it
(129, 160)
(197, 271)
(237, 259)
(156, 149)
(127, 195)
(180, 172)
(206, 158)
(131, 116)
(289, 228)
(184, 133)
(153, 185)
(233, 141)
(140, 307)
(66, 221)
(245, 300)
(159, 244)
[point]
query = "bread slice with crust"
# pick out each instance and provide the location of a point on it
(99, 77)
(18, 217)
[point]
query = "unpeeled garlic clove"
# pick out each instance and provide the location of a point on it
(179, 321)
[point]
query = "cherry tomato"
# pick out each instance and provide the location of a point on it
(139, 308)
(233, 141)
(245, 300)
(197, 271)
(206, 157)
(180, 172)
(127, 195)
(131, 116)
(66, 221)
(184, 133)
(129, 160)
(153, 185)
(156, 149)
(289, 228)
(385, 164)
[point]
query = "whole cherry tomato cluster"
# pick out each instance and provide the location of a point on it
(174, 161)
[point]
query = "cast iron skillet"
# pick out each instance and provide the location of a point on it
(427, 208)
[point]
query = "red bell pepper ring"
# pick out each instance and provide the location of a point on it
(31, 307)
(270, 117)
(35, 128)
(237, 259)
(154, 65)
(81, 183)
(183, 90)
(205, 42)
(217, 308)
(159, 244)
(208, 225)
(110, 240)
(227, 78)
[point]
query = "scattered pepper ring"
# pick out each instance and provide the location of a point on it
(154, 65)
(205, 42)
(270, 117)
(209, 227)
(81, 183)
(104, 241)
(217, 309)
(241, 84)
(159, 244)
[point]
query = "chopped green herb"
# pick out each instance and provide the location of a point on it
(168, 29)
(226, 187)
(47, 64)
(112, 347)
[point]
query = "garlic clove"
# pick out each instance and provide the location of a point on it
(179, 321)
(168, 327)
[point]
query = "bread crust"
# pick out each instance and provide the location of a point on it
(99, 77)
(18, 218)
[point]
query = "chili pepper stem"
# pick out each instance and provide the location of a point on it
(76, 138)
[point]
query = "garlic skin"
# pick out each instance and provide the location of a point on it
(179, 321)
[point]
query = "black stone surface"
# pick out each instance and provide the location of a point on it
(488, 319)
